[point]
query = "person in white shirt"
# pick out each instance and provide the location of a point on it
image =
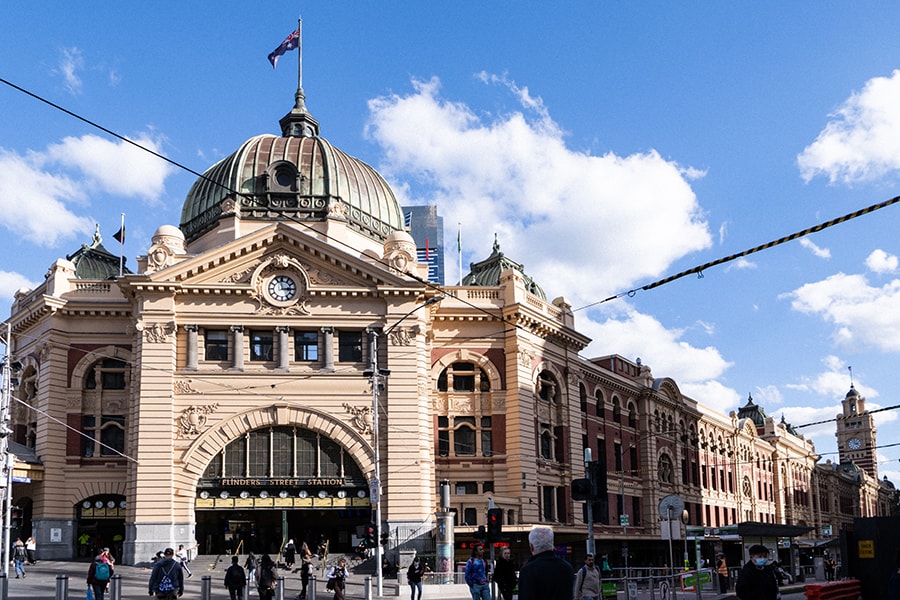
(182, 557)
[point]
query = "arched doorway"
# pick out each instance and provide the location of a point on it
(278, 482)
(100, 524)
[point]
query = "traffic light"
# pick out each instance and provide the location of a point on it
(597, 475)
(15, 517)
(495, 524)
(385, 538)
(481, 534)
(371, 536)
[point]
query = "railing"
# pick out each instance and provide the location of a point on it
(833, 590)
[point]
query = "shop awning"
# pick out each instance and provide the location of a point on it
(771, 530)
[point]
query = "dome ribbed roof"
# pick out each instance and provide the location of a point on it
(304, 178)
(487, 272)
(93, 261)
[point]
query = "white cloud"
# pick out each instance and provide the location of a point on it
(11, 282)
(862, 315)
(832, 382)
(41, 192)
(861, 142)
(70, 63)
(881, 262)
(741, 264)
(584, 226)
(816, 250)
(116, 167)
(636, 335)
(33, 202)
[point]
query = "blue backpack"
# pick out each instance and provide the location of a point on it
(101, 571)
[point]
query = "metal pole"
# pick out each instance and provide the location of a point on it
(376, 482)
(206, 587)
(367, 588)
(590, 503)
(671, 554)
(279, 589)
(4, 454)
(311, 590)
(115, 588)
(62, 587)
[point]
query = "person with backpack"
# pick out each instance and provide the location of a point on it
(235, 579)
(587, 581)
(20, 556)
(337, 576)
(251, 564)
(166, 578)
(414, 577)
(99, 574)
(266, 578)
(477, 574)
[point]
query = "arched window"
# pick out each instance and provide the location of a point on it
(463, 376)
(582, 397)
(463, 436)
(546, 443)
(632, 415)
(102, 419)
(617, 410)
(107, 374)
(601, 411)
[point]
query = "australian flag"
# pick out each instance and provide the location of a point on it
(291, 42)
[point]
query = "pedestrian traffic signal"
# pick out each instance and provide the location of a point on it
(582, 489)
(15, 517)
(371, 536)
(385, 538)
(597, 474)
(495, 524)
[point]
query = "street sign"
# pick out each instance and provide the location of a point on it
(663, 590)
(624, 520)
(631, 590)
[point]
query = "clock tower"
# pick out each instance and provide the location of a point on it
(856, 433)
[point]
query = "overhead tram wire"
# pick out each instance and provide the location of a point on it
(230, 190)
(698, 270)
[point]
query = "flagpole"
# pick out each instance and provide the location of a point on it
(300, 94)
(122, 248)
(459, 249)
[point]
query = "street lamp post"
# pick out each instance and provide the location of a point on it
(5, 455)
(378, 378)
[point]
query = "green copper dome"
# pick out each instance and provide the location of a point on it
(295, 178)
(487, 272)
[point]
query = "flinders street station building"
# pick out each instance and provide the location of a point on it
(221, 394)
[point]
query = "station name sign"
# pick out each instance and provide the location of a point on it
(290, 482)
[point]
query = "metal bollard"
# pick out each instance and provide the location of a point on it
(4, 587)
(62, 587)
(115, 587)
(246, 592)
(279, 589)
(367, 588)
(311, 590)
(206, 587)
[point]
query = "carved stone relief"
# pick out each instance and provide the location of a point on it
(360, 417)
(193, 419)
(156, 333)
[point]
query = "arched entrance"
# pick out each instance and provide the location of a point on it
(100, 524)
(276, 482)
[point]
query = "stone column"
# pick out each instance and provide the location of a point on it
(284, 358)
(191, 364)
(328, 348)
(237, 332)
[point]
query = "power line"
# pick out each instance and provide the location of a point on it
(698, 270)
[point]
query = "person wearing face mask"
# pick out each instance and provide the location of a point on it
(757, 578)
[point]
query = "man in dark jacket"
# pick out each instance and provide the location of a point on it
(166, 579)
(757, 578)
(546, 576)
(235, 579)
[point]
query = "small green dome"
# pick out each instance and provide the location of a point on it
(487, 272)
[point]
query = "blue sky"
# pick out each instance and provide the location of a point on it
(606, 144)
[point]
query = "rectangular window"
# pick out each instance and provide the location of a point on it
(259, 453)
(282, 451)
(487, 448)
(443, 436)
(464, 436)
(633, 458)
(487, 487)
(548, 503)
(306, 346)
(617, 450)
(329, 458)
(307, 453)
(636, 511)
(236, 459)
(350, 346)
(88, 423)
(261, 346)
(216, 342)
(112, 435)
(466, 488)
(470, 516)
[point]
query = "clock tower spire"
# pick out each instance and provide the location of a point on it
(856, 433)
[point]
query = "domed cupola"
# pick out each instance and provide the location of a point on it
(487, 272)
(297, 176)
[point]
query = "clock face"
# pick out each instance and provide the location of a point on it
(855, 444)
(282, 288)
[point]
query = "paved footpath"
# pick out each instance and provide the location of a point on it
(40, 583)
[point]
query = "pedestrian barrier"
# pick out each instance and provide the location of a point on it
(849, 589)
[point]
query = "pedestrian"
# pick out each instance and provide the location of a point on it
(235, 579)
(414, 576)
(305, 568)
(31, 550)
(251, 564)
(337, 577)
(182, 556)
(829, 567)
(290, 552)
(266, 578)
(99, 574)
(546, 576)
(19, 557)
(505, 574)
(107, 556)
(722, 572)
(587, 581)
(757, 578)
(166, 578)
(305, 554)
(477, 575)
